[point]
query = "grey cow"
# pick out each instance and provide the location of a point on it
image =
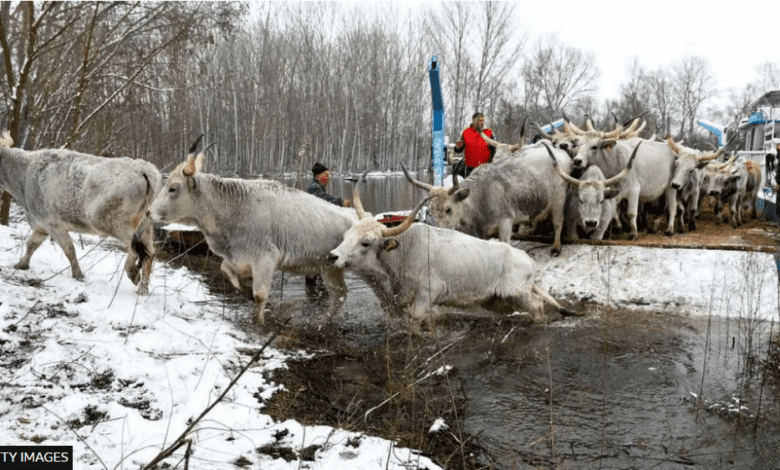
(257, 227)
(649, 179)
(592, 206)
(517, 190)
(420, 266)
(64, 191)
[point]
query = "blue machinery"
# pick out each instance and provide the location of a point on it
(437, 142)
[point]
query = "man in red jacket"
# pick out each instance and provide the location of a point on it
(477, 151)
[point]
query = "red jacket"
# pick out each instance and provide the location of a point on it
(477, 150)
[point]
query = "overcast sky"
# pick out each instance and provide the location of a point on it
(735, 37)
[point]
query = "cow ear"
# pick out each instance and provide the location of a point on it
(390, 244)
(701, 165)
(609, 193)
(461, 194)
(191, 184)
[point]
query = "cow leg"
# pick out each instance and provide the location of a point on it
(718, 209)
(557, 216)
(598, 234)
(38, 236)
(337, 288)
(733, 208)
(421, 310)
(505, 230)
(671, 204)
(141, 248)
(62, 238)
(633, 208)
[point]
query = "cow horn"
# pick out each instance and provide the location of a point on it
(572, 129)
(589, 125)
(522, 131)
(541, 132)
(455, 185)
(491, 142)
(190, 168)
(356, 197)
(572, 181)
(619, 177)
(419, 184)
(194, 145)
(730, 161)
(392, 232)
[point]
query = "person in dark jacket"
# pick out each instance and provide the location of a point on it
(317, 186)
(476, 151)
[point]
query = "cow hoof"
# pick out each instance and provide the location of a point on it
(632, 237)
(555, 252)
(22, 266)
(669, 233)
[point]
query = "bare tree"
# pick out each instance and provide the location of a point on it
(693, 85)
(500, 48)
(556, 75)
(448, 29)
(662, 98)
(770, 76)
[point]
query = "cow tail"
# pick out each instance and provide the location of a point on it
(137, 243)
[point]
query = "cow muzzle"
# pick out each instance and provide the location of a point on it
(590, 224)
(336, 260)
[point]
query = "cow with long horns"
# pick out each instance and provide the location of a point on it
(257, 227)
(592, 206)
(651, 175)
(63, 191)
(514, 191)
(420, 266)
(689, 165)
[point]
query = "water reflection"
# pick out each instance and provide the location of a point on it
(380, 192)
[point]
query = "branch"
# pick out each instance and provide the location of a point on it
(182, 439)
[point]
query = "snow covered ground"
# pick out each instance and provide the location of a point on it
(117, 376)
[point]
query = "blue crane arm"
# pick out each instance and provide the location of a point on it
(438, 122)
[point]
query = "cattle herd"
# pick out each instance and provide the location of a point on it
(586, 180)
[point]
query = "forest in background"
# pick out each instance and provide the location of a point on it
(144, 79)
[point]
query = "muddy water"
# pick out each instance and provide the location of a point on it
(613, 390)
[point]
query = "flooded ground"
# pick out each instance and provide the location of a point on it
(613, 389)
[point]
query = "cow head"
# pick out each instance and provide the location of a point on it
(506, 150)
(590, 147)
(366, 240)
(592, 191)
(445, 207)
(686, 161)
(593, 141)
(567, 141)
(176, 201)
(721, 180)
